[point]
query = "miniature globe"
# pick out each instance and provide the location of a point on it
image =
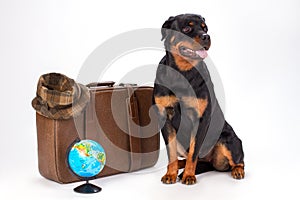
(86, 158)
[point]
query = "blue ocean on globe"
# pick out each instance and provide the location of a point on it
(87, 158)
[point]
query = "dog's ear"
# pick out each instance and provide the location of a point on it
(165, 26)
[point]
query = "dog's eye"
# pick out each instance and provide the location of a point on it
(187, 29)
(204, 27)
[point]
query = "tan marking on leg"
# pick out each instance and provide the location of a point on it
(190, 167)
(181, 152)
(199, 105)
(223, 157)
(172, 169)
(172, 146)
(224, 152)
(165, 101)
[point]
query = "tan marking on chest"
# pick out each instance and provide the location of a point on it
(198, 104)
(164, 102)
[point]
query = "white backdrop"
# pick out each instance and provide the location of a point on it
(255, 47)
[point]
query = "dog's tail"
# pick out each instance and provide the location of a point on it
(201, 167)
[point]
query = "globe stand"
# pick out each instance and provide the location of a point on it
(87, 188)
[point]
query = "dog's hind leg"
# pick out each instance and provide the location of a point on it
(228, 153)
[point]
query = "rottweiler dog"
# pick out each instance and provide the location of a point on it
(192, 123)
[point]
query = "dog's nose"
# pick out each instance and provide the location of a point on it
(204, 36)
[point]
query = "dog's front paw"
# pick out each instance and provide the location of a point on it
(169, 178)
(238, 173)
(189, 179)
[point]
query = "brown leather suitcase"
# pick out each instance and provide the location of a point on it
(120, 118)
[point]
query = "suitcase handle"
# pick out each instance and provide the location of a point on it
(101, 84)
(127, 84)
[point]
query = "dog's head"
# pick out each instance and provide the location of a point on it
(186, 35)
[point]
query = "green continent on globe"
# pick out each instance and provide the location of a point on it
(101, 157)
